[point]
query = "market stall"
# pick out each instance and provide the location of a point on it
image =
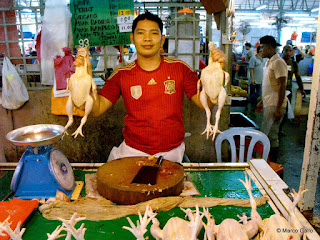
(218, 181)
(43, 169)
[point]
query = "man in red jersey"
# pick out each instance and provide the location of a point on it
(153, 88)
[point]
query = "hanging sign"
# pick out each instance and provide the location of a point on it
(307, 37)
(101, 22)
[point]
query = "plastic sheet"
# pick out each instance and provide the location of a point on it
(215, 183)
(54, 36)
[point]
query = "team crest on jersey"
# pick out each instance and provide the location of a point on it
(136, 91)
(170, 87)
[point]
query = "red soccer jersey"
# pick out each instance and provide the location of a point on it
(153, 100)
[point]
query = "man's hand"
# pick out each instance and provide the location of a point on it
(259, 107)
(303, 93)
(218, 56)
(277, 114)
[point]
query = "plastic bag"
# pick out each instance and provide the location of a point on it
(290, 113)
(62, 66)
(14, 92)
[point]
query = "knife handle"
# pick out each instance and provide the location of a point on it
(159, 161)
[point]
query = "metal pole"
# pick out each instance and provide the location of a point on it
(311, 163)
(6, 33)
(23, 51)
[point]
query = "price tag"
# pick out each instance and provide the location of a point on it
(124, 12)
(125, 27)
(125, 19)
(84, 42)
(125, 23)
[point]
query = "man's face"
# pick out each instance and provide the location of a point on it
(147, 38)
(265, 48)
(287, 52)
(247, 47)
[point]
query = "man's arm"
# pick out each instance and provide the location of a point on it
(251, 76)
(299, 82)
(303, 54)
(100, 105)
(281, 95)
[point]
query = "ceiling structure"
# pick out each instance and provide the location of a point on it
(277, 6)
(293, 12)
(269, 14)
(281, 16)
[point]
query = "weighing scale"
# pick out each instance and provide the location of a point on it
(42, 169)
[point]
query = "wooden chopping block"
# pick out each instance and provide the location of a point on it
(114, 180)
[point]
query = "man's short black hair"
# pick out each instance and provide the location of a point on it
(248, 44)
(147, 16)
(269, 40)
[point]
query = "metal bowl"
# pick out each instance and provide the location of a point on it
(36, 135)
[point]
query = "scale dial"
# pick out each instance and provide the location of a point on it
(61, 169)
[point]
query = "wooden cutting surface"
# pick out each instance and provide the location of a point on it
(114, 180)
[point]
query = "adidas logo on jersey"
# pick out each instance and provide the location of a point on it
(152, 82)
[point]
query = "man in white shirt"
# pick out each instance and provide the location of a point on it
(273, 93)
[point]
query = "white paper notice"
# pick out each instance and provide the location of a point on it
(125, 23)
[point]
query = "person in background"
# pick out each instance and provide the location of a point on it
(249, 53)
(234, 67)
(305, 63)
(256, 65)
(297, 53)
(273, 93)
(293, 68)
(153, 88)
(307, 49)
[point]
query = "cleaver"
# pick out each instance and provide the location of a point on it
(148, 174)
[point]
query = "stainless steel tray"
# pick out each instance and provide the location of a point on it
(36, 135)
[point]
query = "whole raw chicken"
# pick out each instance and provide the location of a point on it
(289, 229)
(212, 79)
(177, 228)
(232, 229)
(276, 227)
(228, 229)
(81, 86)
(255, 225)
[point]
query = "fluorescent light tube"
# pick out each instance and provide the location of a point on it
(261, 7)
(297, 14)
(246, 14)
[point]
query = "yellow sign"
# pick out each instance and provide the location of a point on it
(124, 12)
